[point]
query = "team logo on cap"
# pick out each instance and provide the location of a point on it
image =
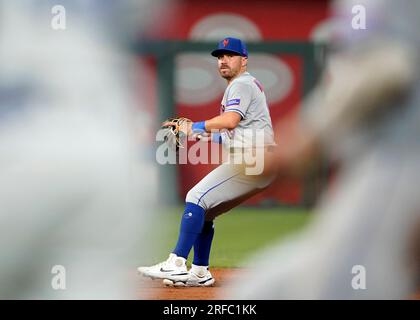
(225, 42)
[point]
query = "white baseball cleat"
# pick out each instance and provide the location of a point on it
(174, 269)
(199, 276)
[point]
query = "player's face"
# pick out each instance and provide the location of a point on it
(230, 65)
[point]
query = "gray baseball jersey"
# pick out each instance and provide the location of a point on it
(229, 181)
(245, 96)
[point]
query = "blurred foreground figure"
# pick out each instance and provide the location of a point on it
(76, 188)
(365, 115)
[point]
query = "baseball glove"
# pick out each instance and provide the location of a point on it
(176, 131)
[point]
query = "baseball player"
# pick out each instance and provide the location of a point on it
(243, 110)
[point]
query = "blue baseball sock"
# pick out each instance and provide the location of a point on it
(191, 225)
(202, 245)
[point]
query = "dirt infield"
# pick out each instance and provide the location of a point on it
(155, 290)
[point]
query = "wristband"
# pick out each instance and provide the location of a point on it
(199, 127)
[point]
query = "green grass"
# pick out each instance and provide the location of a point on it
(238, 234)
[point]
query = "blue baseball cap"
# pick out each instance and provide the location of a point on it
(232, 45)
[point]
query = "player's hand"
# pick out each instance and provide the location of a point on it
(179, 124)
(175, 132)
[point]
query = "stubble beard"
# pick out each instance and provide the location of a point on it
(229, 75)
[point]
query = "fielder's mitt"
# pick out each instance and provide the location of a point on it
(175, 132)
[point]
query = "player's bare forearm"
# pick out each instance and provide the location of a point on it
(228, 120)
